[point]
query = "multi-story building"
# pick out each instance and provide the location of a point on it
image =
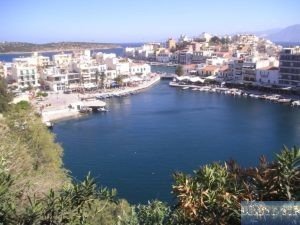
(198, 57)
(62, 59)
(249, 72)
(139, 69)
(185, 57)
(54, 80)
(43, 61)
(25, 75)
(236, 69)
(163, 56)
(268, 75)
(171, 44)
(289, 67)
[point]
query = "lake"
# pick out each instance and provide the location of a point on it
(144, 138)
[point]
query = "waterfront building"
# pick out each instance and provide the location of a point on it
(236, 70)
(224, 74)
(171, 44)
(74, 80)
(120, 65)
(129, 52)
(267, 76)
(289, 67)
(185, 57)
(25, 75)
(208, 70)
(139, 69)
(53, 79)
(87, 71)
(249, 72)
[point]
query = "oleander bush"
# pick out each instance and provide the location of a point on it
(212, 195)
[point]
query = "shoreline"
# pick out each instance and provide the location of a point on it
(62, 112)
(58, 50)
(289, 100)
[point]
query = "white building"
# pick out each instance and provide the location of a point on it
(101, 57)
(120, 65)
(43, 61)
(268, 75)
(62, 59)
(139, 69)
(25, 75)
(54, 79)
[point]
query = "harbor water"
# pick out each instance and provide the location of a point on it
(145, 138)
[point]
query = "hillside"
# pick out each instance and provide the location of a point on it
(288, 34)
(6, 47)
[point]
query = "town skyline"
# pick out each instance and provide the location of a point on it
(134, 21)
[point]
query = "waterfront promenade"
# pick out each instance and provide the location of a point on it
(57, 105)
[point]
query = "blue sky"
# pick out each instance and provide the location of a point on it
(138, 21)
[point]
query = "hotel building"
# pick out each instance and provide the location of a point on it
(289, 67)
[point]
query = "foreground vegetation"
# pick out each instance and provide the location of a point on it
(36, 189)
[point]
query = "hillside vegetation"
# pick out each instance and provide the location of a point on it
(6, 47)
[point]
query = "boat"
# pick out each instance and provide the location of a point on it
(102, 109)
(184, 88)
(296, 103)
(49, 124)
(284, 100)
(85, 110)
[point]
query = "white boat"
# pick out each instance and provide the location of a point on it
(296, 103)
(284, 100)
(102, 109)
(184, 88)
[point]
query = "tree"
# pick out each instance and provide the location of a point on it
(119, 80)
(102, 79)
(179, 70)
(5, 96)
(97, 77)
(215, 40)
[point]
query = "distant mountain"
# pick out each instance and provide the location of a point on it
(288, 34)
(266, 33)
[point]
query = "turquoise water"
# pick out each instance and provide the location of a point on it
(144, 138)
